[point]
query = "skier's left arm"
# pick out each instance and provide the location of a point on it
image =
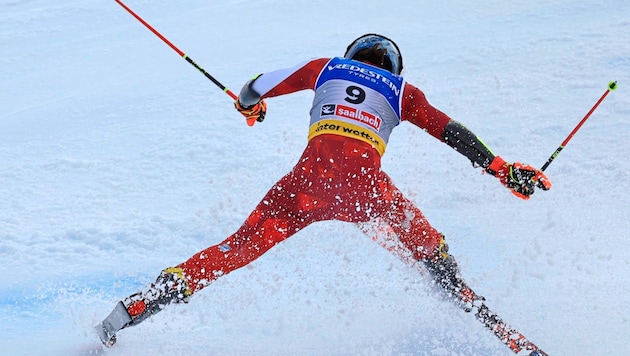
(521, 179)
(250, 101)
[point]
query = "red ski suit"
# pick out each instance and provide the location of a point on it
(338, 177)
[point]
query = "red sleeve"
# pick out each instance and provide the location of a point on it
(417, 110)
(294, 79)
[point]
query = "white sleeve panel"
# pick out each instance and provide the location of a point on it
(267, 81)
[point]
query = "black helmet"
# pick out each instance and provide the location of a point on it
(391, 58)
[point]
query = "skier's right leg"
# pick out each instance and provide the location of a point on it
(445, 273)
(402, 228)
(441, 266)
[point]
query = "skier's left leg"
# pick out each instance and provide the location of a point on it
(279, 215)
(170, 286)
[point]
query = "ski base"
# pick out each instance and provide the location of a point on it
(115, 321)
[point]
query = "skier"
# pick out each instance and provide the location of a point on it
(359, 98)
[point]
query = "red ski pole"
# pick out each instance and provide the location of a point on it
(182, 54)
(611, 86)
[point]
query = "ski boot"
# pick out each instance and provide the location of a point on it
(445, 273)
(171, 286)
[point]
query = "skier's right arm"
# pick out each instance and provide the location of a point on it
(521, 179)
(418, 111)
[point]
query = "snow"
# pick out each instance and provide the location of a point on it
(118, 159)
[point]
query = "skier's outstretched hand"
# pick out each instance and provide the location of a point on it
(520, 178)
(252, 113)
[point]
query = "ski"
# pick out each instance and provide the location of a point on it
(518, 343)
(115, 321)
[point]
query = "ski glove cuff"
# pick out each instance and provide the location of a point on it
(521, 179)
(253, 113)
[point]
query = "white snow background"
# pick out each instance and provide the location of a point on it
(118, 159)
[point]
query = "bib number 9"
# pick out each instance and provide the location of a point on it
(356, 95)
